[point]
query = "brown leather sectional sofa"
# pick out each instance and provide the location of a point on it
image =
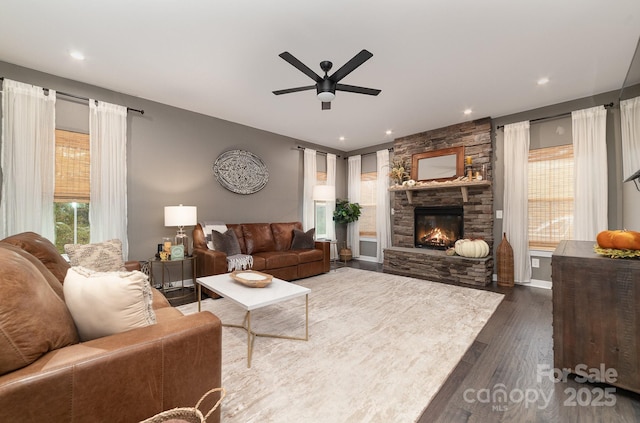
(126, 377)
(270, 246)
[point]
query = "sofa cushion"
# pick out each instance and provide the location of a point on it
(33, 318)
(100, 257)
(258, 237)
(43, 249)
(237, 228)
(226, 242)
(283, 234)
(54, 283)
(277, 259)
(104, 303)
(308, 256)
(303, 240)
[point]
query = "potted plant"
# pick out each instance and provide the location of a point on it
(345, 213)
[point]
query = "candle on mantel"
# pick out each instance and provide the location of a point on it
(468, 160)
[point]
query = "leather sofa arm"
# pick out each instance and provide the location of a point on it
(210, 262)
(132, 265)
(129, 376)
(325, 246)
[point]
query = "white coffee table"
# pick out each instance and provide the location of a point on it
(254, 298)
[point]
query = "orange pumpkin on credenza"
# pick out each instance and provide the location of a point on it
(619, 239)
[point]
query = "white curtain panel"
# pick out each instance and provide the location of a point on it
(331, 205)
(383, 201)
(28, 160)
(515, 221)
(310, 180)
(590, 170)
(630, 119)
(108, 149)
(353, 185)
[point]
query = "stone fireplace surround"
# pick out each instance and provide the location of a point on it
(403, 258)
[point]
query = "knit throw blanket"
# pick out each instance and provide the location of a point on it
(239, 262)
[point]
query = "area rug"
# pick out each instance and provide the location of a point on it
(380, 346)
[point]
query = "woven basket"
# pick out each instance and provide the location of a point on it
(187, 414)
(505, 262)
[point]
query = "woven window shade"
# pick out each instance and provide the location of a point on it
(550, 196)
(368, 199)
(72, 167)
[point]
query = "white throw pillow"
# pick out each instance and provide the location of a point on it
(105, 303)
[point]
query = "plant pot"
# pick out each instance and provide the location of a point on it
(345, 254)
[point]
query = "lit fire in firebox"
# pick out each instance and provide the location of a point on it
(437, 237)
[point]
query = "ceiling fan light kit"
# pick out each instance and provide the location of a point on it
(327, 86)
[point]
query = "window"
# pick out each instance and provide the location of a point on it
(321, 210)
(71, 195)
(550, 196)
(368, 199)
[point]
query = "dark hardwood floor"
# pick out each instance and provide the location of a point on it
(510, 358)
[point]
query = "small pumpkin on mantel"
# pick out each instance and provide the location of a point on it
(472, 248)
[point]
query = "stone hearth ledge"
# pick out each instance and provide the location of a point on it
(437, 266)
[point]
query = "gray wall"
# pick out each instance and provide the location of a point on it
(544, 134)
(171, 152)
(170, 156)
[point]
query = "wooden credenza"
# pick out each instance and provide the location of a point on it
(596, 312)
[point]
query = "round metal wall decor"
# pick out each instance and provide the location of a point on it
(241, 171)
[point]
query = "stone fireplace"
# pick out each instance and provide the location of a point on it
(405, 257)
(437, 227)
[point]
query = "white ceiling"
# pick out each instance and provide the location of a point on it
(432, 59)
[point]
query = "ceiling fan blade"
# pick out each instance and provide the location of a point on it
(294, 90)
(300, 66)
(326, 105)
(359, 90)
(348, 67)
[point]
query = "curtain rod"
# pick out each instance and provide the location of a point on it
(141, 111)
(390, 149)
(318, 152)
(606, 106)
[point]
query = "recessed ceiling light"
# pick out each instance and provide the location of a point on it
(77, 55)
(468, 111)
(341, 138)
(389, 132)
(543, 81)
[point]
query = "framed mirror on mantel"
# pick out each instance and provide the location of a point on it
(440, 165)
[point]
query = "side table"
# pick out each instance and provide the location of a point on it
(179, 291)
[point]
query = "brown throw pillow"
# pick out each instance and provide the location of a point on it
(226, 242)
(303, 240)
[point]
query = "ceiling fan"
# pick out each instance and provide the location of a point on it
(327, 86)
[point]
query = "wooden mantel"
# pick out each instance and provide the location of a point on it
(462, 185)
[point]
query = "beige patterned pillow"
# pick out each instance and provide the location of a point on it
(100, 257)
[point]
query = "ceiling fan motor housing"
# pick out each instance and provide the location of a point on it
(326, 89)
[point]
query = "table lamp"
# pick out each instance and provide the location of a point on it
(181, 216)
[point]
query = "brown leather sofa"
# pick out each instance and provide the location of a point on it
(126, 377)
(270, 246)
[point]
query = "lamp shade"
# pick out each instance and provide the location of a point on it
(324, 193)
(180, 215)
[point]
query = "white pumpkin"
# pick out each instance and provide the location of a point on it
(473, 248)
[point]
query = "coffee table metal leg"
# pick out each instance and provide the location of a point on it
(251, 335)
(249, 340)
(199, 295)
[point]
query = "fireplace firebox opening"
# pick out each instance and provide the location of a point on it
(438, 227)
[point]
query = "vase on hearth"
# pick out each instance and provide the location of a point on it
(504, 257)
